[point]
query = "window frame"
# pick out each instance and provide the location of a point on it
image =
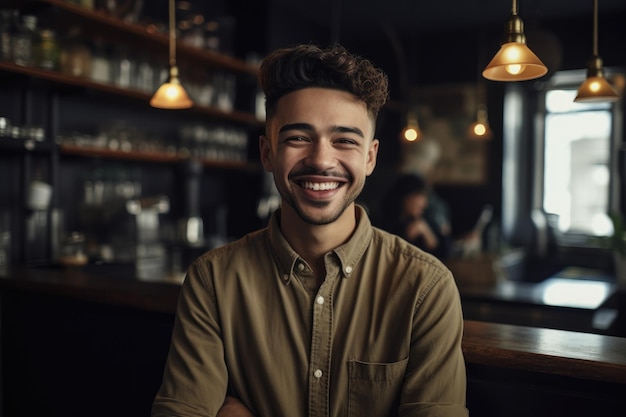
(523, 223)
(571, 80)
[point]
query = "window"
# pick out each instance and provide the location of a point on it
(580, 169)
(577, 163)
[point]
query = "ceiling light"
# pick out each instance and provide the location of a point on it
(171, 95)
(480, 128)
(514, 61)
(411, 131)
(595, 87)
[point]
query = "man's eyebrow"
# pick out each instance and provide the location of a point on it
(308, 127)
(296, 126)
(345, 129)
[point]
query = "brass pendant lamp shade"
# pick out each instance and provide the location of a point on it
(172, 94)
(514, 61)
(595, 88)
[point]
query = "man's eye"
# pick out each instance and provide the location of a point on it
(346, 141)
(297, 139)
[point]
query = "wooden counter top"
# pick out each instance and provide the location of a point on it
(540, 350)
(107, 284)
(560, 352)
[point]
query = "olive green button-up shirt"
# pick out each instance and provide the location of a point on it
(380, 337)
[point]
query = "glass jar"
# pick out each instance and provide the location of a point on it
(76, 56)
(123, 69)
(100, 63)
(5, 127)
(73, 250)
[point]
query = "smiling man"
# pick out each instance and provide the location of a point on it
(319, 314)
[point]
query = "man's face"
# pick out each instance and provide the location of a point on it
(320, 148)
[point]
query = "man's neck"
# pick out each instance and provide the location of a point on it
(312, 242)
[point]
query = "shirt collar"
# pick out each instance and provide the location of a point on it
(349, 254)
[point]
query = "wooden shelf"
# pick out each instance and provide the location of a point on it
(99, 23)
(71, 81)
(152, 156)
(148, 156)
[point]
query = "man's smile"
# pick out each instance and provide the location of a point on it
(319, 186)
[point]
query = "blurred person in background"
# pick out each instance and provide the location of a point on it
(403, 212)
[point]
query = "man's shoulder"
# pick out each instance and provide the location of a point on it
(394, 248)
(244, 247)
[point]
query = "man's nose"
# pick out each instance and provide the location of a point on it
(322, 155)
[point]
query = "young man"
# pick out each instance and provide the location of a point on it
(319, 314)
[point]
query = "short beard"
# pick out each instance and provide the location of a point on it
(323, 221)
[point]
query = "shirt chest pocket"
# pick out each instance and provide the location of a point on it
(374, 388)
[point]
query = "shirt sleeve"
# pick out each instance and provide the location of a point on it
(195, 378)
(435, 380)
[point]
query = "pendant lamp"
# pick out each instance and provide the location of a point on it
(172, 94)
(480, 130)
(411, 131)
(595, 88)
(514, 61)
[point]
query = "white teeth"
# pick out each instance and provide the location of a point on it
(317, 186)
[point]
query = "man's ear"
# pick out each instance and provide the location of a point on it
(265, 148)
(372, 155)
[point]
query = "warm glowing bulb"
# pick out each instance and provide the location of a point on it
(515, 69)
(410, 134)
(514, 53)
(594, 86)
(172, 92)
(480, 129)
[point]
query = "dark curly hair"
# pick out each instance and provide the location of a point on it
(290, 69)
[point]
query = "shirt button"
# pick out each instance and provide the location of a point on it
(286, 277)
(301, 267)
(320, 300)
(318, 373)
(348, 269)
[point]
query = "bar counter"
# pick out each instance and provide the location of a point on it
(106, 284)
(497, 355)
(589, 356)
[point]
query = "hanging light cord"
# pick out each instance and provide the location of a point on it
(595, 28)
(514, 27)
(172, 34)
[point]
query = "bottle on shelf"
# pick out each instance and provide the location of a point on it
(23, 41)
(124, 74)
(46, 50)
(100, 63)
(76, 55)
(8, 19)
